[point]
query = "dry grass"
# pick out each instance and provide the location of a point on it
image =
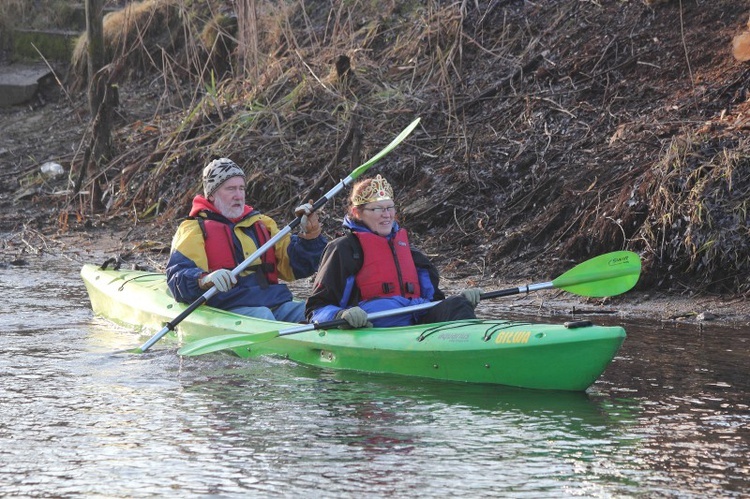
(136, 39)
(307, 83)
(538, 135)
(39, 14)
(31, 14)
(36, 13)
(699, 195)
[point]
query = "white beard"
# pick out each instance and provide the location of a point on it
(228, 211)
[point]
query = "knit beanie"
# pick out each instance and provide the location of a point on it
(217, 172)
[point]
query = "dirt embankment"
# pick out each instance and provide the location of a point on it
(551, 132)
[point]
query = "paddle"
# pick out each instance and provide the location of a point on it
(283, 232)
(605, 275)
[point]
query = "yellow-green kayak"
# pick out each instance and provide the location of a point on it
(496, 351)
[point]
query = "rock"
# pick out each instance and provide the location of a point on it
(19, 82)
(705, 316)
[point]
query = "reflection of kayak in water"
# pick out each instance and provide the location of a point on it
(502, 352)
(351, 388)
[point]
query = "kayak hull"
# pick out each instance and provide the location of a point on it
(502, 352)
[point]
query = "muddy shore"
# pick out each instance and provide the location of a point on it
(147, 247)
(529, 159)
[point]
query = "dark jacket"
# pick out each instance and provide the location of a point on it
(335, 287)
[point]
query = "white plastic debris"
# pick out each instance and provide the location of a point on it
(52, 169)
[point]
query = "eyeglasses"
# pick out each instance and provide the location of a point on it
(380, 209)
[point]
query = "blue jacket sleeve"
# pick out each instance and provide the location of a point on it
(429, 277)
(304, 255)
(427, 288)
(187, 261)
(327, 313)
(182, 278)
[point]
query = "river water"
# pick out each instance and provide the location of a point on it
(669, 418)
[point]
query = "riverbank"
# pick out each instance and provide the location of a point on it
(619, 128)
(147, 246)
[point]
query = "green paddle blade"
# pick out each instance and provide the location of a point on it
(399, 138)
(605, 275)
(228, 341)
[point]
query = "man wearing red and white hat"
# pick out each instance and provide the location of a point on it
(221, 232)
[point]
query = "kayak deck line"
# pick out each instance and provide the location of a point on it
(493, 327)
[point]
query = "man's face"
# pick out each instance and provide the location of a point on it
(229, 198)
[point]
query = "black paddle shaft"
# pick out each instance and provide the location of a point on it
(515, 291)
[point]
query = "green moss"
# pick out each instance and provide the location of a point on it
(53, 45)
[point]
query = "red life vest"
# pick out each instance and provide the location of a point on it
(388, 268)
(220, 249)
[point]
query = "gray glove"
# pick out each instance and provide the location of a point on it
(472, 296)
(309, 225)
(304, 209)
(355, 317)
(222, 279)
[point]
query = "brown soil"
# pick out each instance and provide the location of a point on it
(550, 149)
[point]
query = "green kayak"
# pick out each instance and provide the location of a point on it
(503, 352)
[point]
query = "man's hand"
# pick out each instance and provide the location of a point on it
(222, 279)
(309, 225)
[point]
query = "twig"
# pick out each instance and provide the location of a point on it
(352, 138)
(59, 83)
(495, 89)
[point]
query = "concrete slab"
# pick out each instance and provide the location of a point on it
(19, 82)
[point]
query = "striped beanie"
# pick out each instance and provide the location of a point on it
(217, 172)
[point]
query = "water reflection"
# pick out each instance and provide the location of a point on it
(669, 418)
(370, 427)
